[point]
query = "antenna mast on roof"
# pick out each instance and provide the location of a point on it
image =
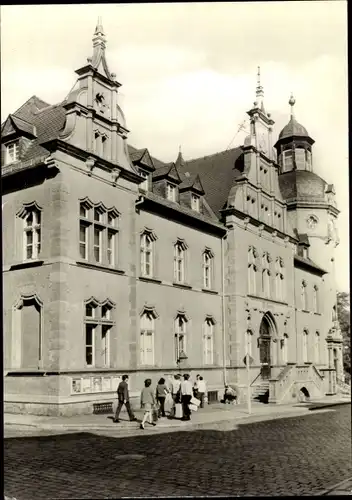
(240, 127)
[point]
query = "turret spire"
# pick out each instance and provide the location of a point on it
(98, 60)
(180, 162)
(259, 93)
(292, 103)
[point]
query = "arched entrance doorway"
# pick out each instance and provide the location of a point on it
(266, 331)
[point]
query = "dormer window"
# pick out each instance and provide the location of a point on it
(171, 192)
(287, 161)
(145, 184)
(12, 152)
(195, 202)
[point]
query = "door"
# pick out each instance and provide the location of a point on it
(264, 348)
(264, 356)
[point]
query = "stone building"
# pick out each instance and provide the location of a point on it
(115, 262)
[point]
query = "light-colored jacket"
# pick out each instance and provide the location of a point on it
(147, 396)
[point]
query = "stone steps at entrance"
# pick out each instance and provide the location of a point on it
(260, 390)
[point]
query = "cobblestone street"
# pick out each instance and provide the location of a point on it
(289, 456)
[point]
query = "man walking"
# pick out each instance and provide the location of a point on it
(124, 399)
(186, 396)
(201, 390)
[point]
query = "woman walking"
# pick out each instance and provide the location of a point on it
(161, 391)
(147, 402)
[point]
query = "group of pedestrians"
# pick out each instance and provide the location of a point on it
(177, 395)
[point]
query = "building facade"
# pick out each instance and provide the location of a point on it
(115, 262)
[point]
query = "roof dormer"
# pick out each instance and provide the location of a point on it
(16, 136)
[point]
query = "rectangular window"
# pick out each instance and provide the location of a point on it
(171, 192)
(287, 164)
(32, 234)
(90, 332)
(146, 255)
(145, 184)
(83, 240)
(111, 248)
(98, 216)
(208, 343)
(12, 152)
(300, 156)
(195, 202)
(105, 344)
(97, 244)
(179, 264)
(207, 270)
(147, 348)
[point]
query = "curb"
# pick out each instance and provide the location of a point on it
(338, 486)
(175, 423)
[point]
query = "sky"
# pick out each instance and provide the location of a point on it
(188, 74)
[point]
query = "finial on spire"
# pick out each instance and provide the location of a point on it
(292, 103)
(259, 92)
(99, 27)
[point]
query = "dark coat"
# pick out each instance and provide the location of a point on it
(122, 391)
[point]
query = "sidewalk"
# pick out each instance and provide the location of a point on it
(210, 415)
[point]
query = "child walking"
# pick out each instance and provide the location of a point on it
(147, 402)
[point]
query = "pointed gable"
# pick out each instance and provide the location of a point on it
(15, 126)
(168, 172)
(142, 158)
(191, 183)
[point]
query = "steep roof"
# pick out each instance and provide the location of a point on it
(217, 173)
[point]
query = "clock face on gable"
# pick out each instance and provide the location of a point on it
(312, 221)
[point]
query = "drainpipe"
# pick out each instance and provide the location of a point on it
(223, 306)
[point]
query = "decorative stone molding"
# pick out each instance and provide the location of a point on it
(260, 229)
(90, 164)
(246, 222)
(115, 174)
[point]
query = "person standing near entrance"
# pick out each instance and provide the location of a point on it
(186, 390)
(124, 399)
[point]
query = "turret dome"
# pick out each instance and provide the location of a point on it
(293, 129)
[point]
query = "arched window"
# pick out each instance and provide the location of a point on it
(180, 335)
(284, 347)
(27, 333)
(179, 261)
(279, 279)
(147, 332)
(98, 323)
(317, 347)
(208, 260)
(208, 341)
(315, 299)
(252, 271)
(304, 301)
(266, 275)
(305, 346)
(31, 217)
(147, 253)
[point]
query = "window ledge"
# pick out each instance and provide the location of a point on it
(317, 314)
(149, 279)
(182, 285)
(262, 297)
(99, 267)
(26, 264)
(208, 290)
(305, 311)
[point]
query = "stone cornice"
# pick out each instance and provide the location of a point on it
(257, 223)
(177, 213)
(293, 204)
(81, 154)
(88, 70)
